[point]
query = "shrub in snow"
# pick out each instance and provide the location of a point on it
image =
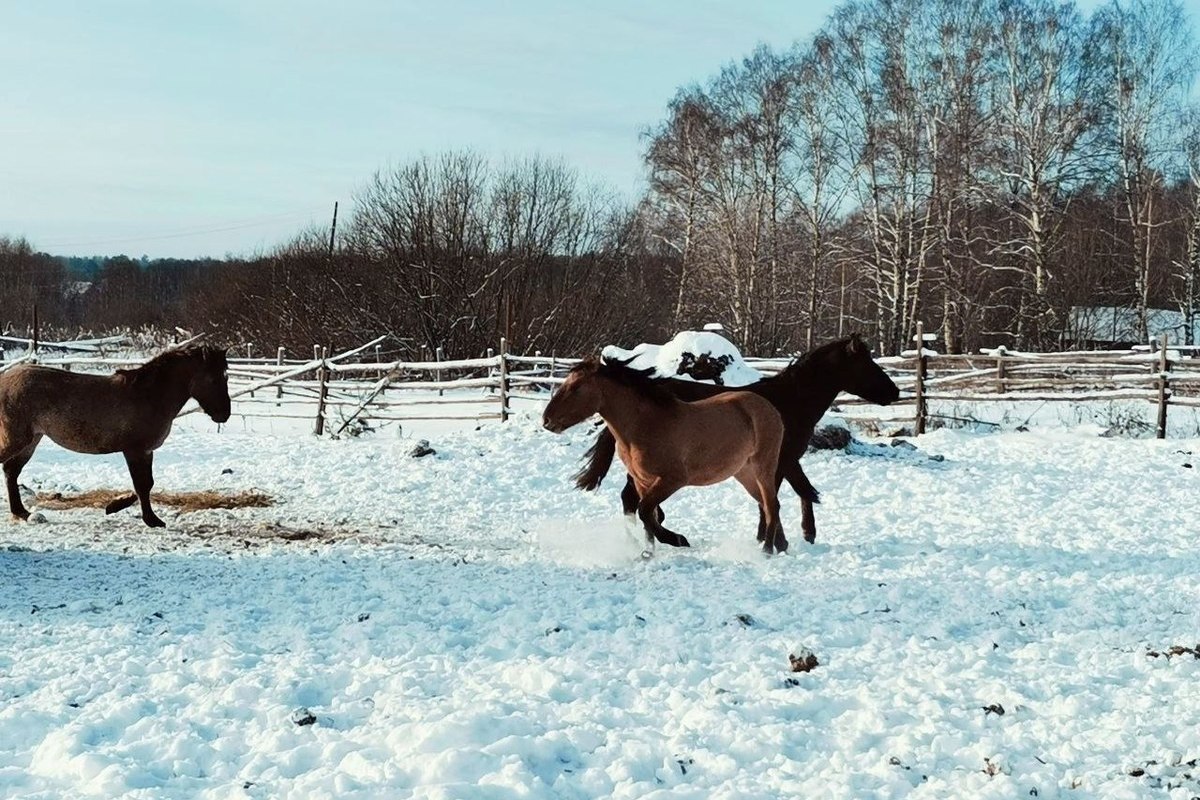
(830, 437)
(804, 660)
(302, 717)
(422, 449)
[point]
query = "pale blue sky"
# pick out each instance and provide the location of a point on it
(187, 127)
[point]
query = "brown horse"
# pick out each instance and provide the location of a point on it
(801, 393)
(667, 444)
(130, 412)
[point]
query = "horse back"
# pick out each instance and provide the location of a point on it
(760, 417)
(84, 413)
(35, 383)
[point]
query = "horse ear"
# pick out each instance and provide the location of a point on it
(587, 364)
(856, 345)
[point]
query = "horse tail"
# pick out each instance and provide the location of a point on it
(598, 458)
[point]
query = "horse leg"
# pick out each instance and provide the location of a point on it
(630, 499)
(769, 507)
(141, 470)
(794, 474)
(808, 522)
(763, 491)
(12, 470)
(648, 512)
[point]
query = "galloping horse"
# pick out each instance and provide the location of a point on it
(801, 393)
(129, 412)
(667, 444)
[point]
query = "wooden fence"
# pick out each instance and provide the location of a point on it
(1163, 376)
(341, 391)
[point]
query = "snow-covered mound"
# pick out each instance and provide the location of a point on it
(692, 355)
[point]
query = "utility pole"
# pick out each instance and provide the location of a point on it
(333, 229)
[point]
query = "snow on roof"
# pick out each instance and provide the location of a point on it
(76, 288)
(703, 356)
(1113, 324)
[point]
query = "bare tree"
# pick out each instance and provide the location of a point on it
(822, 180)
(881, 81)
(1044, 111)
(678, 159)
(1187, 265)
(1148, 63)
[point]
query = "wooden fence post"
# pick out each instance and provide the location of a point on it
(379, 359)
(437, 374)
(503, 379)
(1164, 388)
(553, 366)
(248, 357)
(919, 392)
(323, 377)
(36, 330)
(279, 363)
(1000, 372)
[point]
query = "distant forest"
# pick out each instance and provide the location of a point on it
(980, 167)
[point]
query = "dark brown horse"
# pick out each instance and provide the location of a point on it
(130, 412)
(802, 393)
(667, 444)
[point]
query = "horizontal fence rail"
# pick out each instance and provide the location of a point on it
(350, 389)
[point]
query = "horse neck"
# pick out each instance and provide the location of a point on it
(624, 409)
(166, 388)
(812, 392)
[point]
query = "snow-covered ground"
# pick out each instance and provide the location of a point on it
(465, 625)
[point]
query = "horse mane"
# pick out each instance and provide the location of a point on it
(641, 381)
(818, 355)
(208, 356)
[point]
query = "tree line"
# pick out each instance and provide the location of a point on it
(981, 167)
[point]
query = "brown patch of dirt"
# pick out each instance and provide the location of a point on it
(184, 501)
(261, 533)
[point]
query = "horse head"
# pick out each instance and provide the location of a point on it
(209, 384)
(846, 366)
(576, 399)
(861, 376)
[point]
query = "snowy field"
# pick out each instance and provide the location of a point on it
(465, 625)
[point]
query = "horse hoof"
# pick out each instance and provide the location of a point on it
(120, 504)
(683, 542)
(647, 555)
(154, 522)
